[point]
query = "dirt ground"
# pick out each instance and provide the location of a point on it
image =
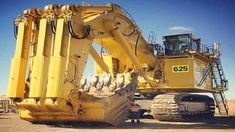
(12, 123)
(231, 104)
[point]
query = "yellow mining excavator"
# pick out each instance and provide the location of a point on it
(53, 43)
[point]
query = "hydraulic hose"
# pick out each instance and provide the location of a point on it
(86, 31)
(53, 26)
(136, 44)
(132, 32)
(15, 27)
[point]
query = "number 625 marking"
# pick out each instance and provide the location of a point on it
(180, 68)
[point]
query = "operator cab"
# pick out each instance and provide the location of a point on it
(181, 44)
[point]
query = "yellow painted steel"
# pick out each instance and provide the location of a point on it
(180, 68)
(92, 110)
(113, 64)
(54, 83)
(179, 80)
(105, 23)
(67, 62)
(188, 79)
(39, 77)
(99, 60)
(19, 62)
(58, 62)
(128, 51)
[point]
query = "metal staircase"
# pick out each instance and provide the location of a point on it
(220, 84)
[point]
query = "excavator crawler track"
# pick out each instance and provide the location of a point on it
(171, 107)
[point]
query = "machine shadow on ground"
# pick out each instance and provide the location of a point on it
(216, 123)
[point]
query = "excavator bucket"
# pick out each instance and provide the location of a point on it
(103, 109)
(100, 106)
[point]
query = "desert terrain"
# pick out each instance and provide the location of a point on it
(231, 104)
(12, 123)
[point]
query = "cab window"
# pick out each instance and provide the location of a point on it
(175, 45)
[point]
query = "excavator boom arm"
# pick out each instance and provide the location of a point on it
(52, 49)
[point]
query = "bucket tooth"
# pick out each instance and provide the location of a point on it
(83, 82)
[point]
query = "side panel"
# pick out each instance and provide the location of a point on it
(179, 73)
(201, 68)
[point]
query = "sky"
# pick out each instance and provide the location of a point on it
(211, 20)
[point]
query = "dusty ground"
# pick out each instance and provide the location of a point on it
(12, 123)
(231, 104)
